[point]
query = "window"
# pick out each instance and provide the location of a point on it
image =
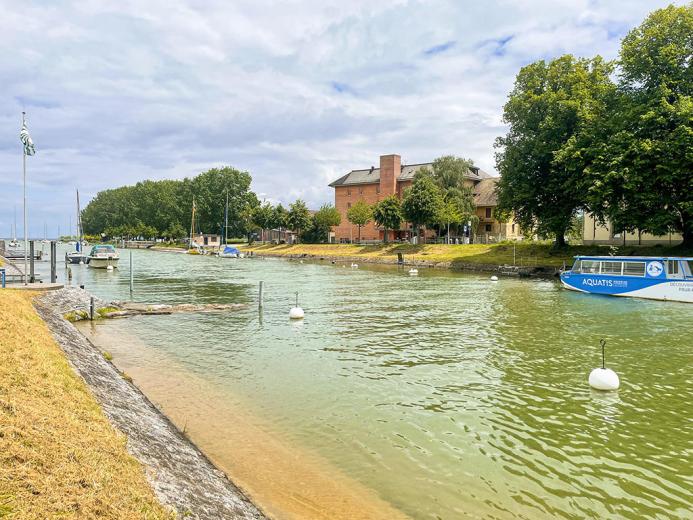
(488, 228)
(634, 268)
(673, 270)
(513, 228)
(377, 188)
(612, 267)
(488, 212)
(589, 267)
(348, 204)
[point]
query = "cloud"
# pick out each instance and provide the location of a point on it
(297, 93)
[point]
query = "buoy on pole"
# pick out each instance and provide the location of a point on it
(604, 378)
(296, 313)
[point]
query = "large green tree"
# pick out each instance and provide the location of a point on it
(642, 176)
(298, 218)
(388, 214)
(551, 111)
(422, 201)
(322, 222)
(263, 216)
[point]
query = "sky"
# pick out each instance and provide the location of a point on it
(296, 92)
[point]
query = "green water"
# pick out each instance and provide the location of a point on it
(444, 393)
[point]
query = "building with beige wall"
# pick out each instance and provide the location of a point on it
(595, 233)
(393, 178)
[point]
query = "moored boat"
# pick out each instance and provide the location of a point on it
(230, 252)
(655, 278)
(103, 257)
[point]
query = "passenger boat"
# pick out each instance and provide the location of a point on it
(655, 278)
(103, 257)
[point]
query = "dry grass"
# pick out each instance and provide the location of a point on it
(59, 455)
(526, 253)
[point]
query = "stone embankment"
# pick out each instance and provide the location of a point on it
(180, 474)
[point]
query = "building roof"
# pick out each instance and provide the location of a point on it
(485, 192)
(407, 172)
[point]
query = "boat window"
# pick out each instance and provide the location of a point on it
(688, 267)
(634, 268)
(590, 267)
(611, 267)
(576, 267)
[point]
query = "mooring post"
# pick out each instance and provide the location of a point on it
(259, 301)
(54, 262)
(514, 243)
(91, 308)
(131, 279)
(31, 261)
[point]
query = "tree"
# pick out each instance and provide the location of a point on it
(451, 172)
(262, 217)
(324, 219)
(388, 214)
(642, 175)
(422, 201)
(449, 213)
(298, 217)
(551, 112)
(175, 232)
(360, 214)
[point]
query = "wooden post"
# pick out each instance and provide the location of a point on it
(54, 262)
(31, 261)
(131, 279)
(91, 308)
(259, 303)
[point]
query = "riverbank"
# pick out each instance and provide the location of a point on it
(63, 457)
(528, 258)
(59, 455)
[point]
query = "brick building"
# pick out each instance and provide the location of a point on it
(392, 178)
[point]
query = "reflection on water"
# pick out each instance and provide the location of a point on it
(446, 394)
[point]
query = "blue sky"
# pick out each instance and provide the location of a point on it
(296, 92)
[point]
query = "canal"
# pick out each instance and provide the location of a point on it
(438, 396)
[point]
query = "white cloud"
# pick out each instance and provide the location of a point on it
(296, 92)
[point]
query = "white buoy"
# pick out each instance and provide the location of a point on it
(296, 313)
(354, 266)
(494, 278)
(604, 378)
(413, 272)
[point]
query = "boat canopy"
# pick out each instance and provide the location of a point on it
(105, 248)
(230, 250)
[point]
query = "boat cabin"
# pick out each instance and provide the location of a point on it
(645, 267)
(203, 240)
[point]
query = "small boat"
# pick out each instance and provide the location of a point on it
(77, 256)
(14, 243)
(230, 252)
(103, 257)
(655, 278)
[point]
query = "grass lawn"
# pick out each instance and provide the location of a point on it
(526, 253)
(59, 455)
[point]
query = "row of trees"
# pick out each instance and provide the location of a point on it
(164, 208)
(611, 138)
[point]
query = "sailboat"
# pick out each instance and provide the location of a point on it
(13, 242)
(77, 256)
(228, 251)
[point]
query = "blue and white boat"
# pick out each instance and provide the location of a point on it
(230, 252)
(655, 278)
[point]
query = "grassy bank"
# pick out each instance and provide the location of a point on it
(59, 455)
(526, 253)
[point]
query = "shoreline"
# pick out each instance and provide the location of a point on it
(180, 474)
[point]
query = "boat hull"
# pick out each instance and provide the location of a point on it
(102, 263)
(75, 259)
(648, 288)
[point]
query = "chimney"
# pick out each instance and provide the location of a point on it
(390, 168)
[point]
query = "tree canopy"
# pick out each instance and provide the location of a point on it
(298, 218)
(165, 207)
(550, 110)
(360, 214)
(422, 201)
(388, 214)
(642, 176)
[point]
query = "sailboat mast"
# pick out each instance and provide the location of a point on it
(192, 224)
(226, 220)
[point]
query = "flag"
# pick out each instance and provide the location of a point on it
(26, 140)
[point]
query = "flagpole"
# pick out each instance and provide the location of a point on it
(26, 233)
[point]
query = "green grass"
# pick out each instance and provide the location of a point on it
(530, 253)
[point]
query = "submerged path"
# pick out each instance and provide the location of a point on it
(182, 477)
